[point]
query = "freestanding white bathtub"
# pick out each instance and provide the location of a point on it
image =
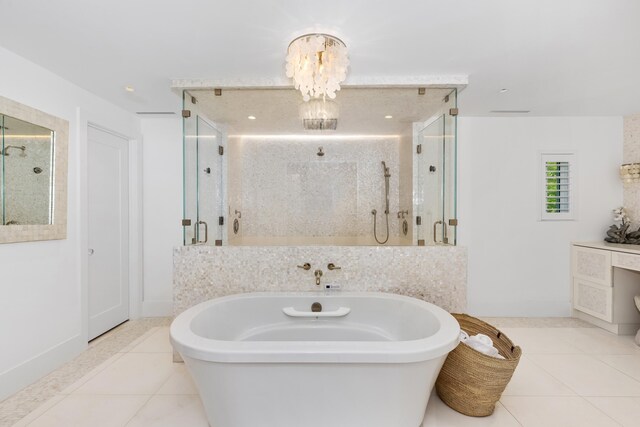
(268, 360)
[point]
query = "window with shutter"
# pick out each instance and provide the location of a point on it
(558, 186)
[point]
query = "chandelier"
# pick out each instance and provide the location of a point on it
(318, 64)
(319, 114)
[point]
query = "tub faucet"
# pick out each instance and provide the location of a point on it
(318, 274)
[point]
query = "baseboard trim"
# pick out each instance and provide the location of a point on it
(157, 308)
(520, 309)
(614, 328)
(28, 372)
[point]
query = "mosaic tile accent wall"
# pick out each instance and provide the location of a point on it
(437, 274)
(631, 154)
(284, 189)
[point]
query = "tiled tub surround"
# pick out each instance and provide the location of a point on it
(284, 189)
(436, 274)
(631, 154)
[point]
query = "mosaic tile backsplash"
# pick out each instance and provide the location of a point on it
(631, 195)
(437, 274)
(284, 189)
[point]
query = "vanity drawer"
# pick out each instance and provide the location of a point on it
(593, 299)
(628, 261)
(593, 265)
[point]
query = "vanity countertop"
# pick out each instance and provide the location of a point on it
(617, 247)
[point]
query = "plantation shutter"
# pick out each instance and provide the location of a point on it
(558, 186)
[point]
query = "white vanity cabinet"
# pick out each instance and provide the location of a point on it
(605, 278)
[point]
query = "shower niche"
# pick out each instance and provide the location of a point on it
(375, 166)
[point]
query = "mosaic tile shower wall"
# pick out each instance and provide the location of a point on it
(27, 181)
(285, 189)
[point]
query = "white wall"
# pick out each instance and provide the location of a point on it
(162, 201)
(42, 301)
(519, 266)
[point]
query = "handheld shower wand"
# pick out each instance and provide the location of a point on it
(387, 175)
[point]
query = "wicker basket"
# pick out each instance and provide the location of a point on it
(471, 382)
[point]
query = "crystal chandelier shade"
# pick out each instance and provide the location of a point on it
(317, 63)
(319, 114)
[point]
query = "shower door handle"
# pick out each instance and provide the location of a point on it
(435, 225)
(206, 231)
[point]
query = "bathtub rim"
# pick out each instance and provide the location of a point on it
(193, 346)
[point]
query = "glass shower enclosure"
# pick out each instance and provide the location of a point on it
(427, 176)
(203, 191)
(435, 186)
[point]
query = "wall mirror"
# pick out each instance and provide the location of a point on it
(33, 174)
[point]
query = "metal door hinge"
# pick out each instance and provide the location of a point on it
(186, 113)
(420, 242)
(453, 111)
(186, 222)
(220, 220)
(418, 220)
(220, 150)
(422, 91)
(217, 92)
(419, 149)
(218, 243)
(453, 222)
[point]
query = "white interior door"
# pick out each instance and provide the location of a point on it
(108, 208)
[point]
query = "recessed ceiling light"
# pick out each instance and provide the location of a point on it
(129, 88)
(504, 90)
(388, 116)
(251, 117)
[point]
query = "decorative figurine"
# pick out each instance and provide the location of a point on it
(618, 233)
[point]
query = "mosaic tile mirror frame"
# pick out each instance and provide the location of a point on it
(33, 174)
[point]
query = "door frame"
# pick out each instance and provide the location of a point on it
(131, 133)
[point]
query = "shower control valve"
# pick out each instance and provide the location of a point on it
(332, 266)
(305, 266)
(318, 274)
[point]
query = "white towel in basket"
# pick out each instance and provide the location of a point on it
(481, 343)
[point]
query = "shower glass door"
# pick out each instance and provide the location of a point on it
(436, 187)
(203, 217)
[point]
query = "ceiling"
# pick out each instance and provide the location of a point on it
(568, 57)
(361, 111)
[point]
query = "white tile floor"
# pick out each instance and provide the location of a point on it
(567, 377)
